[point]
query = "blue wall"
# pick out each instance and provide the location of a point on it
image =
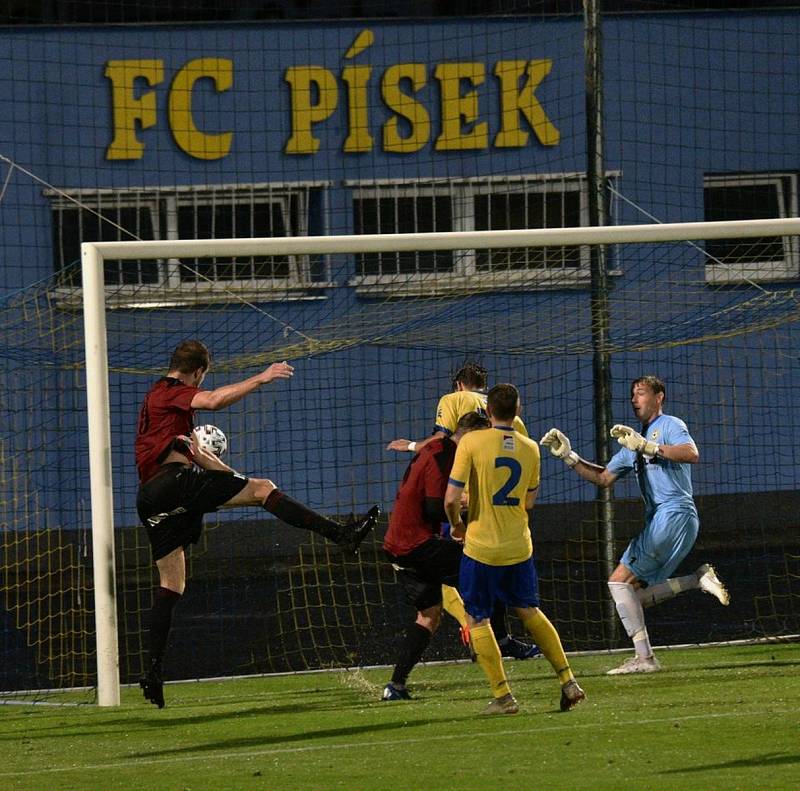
(684, 95)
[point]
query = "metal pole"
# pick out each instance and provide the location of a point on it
(601, 359)
(97, 403)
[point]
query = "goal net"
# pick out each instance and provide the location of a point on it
(264, 597)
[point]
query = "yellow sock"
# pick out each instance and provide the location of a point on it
(546, 637)
(453, 604)
(488, 653)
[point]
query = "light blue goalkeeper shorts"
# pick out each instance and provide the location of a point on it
(666, 540)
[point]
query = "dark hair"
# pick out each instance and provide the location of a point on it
(189, 356)
(471, 421)
(471, 375)
(653, 382)
(503, 401)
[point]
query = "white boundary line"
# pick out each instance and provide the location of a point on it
(787, 638)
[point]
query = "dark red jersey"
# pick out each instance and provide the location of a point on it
(425, 482)
(166, 413)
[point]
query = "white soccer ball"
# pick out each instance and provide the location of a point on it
(211, 438)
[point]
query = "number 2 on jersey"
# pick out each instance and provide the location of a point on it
(501, 497)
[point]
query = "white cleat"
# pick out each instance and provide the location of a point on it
(636, 664)
(709, 582)
(505, 705)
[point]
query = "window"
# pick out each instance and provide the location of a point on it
(107, 219)
(544, 205)
(477, 204)
(750, 197)
(192, 213)
(402, 210)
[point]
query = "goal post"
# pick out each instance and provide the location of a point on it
(100, 474)
(97, 368)
(453, 240)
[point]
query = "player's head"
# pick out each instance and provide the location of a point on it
(470, 376)
(190, 358)
(647, 396)
(470, 422)
(502, 403)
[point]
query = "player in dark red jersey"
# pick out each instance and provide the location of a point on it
(423, 559)
(180, 481)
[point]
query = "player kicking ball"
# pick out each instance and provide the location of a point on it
(182, 478)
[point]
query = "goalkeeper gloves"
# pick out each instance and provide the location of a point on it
(633, 440)
(558, 445)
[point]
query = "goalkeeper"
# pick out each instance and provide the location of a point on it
(180, 481)
(660, 456)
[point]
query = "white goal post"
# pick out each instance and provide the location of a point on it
(97, 382)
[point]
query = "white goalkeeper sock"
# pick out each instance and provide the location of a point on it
(631, 614)
(661, 591)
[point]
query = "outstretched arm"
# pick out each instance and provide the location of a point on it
(559, 446)
(415, 446)
(230, 394)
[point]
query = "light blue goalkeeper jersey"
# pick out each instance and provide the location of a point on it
(664, 484)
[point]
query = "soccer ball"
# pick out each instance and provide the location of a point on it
(211, 438)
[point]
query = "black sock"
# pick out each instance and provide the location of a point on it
(414, 644)
(499, 622)
(160, 622)
(296, 514)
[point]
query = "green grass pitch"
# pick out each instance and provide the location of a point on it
(726, 718)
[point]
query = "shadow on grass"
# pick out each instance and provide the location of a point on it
(149, 717)
(306, 737)
(766, 760)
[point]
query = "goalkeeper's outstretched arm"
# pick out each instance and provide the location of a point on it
(594, 473)
(559, 446)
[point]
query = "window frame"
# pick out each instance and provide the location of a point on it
(164, 204)
(465, 274)
(788, 268)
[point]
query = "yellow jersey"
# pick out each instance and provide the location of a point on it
(453, 406)
(500, 466)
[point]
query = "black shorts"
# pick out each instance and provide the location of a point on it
(172, 503)
(424, 570)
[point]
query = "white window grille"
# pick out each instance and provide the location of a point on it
(476, 204)
(208, 212)
(750, 196)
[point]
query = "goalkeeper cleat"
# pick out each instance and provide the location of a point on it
(636, 664)
(356, 531)
(505, 705)
(511, 648)
(709, 582)
(153, 688)
(391, 692)
(571, 695)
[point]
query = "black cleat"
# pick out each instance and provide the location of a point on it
(153, 688)
(357, 530)
(516, 649)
